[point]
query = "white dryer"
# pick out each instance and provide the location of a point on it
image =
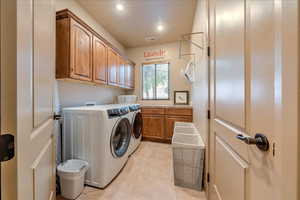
(137, 126)
(99, 135)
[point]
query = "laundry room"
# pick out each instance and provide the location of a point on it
(119, 93)
(149, 100)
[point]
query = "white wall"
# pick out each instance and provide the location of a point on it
(76, 94)
(200, 86)
(200, 90)
(177, 67)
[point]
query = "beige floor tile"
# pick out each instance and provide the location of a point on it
(148, 175)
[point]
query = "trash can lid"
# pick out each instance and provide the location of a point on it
(72, 166)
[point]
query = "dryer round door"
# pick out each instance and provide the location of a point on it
(137, 125)
(120, 137)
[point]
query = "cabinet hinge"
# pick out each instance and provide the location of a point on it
(208, 51)
(208, 114)
(274, 149)
(208, 177)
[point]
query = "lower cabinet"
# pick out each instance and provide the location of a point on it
(153, 127)
(158, 122)
(170, 122)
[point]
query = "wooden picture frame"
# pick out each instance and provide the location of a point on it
(181, 97)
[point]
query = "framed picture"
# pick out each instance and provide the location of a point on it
(181, 97)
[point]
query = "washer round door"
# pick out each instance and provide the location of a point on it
(137, 125)
(120, 138)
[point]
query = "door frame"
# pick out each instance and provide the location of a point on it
(287, 100)
(8, 92)
(0, 84)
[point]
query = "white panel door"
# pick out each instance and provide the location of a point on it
(36, 61)
(243, 63)
(30, 97)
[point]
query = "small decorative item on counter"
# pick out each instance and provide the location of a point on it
(181, 97)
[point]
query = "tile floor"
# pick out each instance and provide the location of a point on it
(148, 175)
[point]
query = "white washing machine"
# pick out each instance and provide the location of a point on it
(137, 126)
(99, 135)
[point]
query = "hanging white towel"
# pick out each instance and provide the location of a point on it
(189, 71)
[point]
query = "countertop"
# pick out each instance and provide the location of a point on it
(166, 106)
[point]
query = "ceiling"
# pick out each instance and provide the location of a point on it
(140, 19)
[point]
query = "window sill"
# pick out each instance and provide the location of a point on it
(155, 99)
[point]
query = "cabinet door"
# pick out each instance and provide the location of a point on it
(131, 76)
(153, 126)
(127, 76)
(121, 71)
(170, 121)
(112, 67)
(80, 52)
(99, 61)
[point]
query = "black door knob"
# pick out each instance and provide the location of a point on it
(260, 140)
(7, 147)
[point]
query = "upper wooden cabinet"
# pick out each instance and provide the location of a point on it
(82, 54)
(121, 74)
(99, 61)
(129, 75)
(73, 50)
(113, 62)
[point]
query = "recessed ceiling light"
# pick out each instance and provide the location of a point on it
(160, 27)
(120, 6)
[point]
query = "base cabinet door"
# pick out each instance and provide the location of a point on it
(170, 122)
(153, 127)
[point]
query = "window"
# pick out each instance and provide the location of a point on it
(156, 81)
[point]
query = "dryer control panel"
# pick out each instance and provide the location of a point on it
(117, 112)
(135, 107)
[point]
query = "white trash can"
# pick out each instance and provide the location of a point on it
(188, 160)
(185, 128)
(71, 175)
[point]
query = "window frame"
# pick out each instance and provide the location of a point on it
(142, 83)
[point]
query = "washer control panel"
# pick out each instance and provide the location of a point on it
(117, 112)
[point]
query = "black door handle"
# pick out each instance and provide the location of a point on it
(7, 147)
(260, 140)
